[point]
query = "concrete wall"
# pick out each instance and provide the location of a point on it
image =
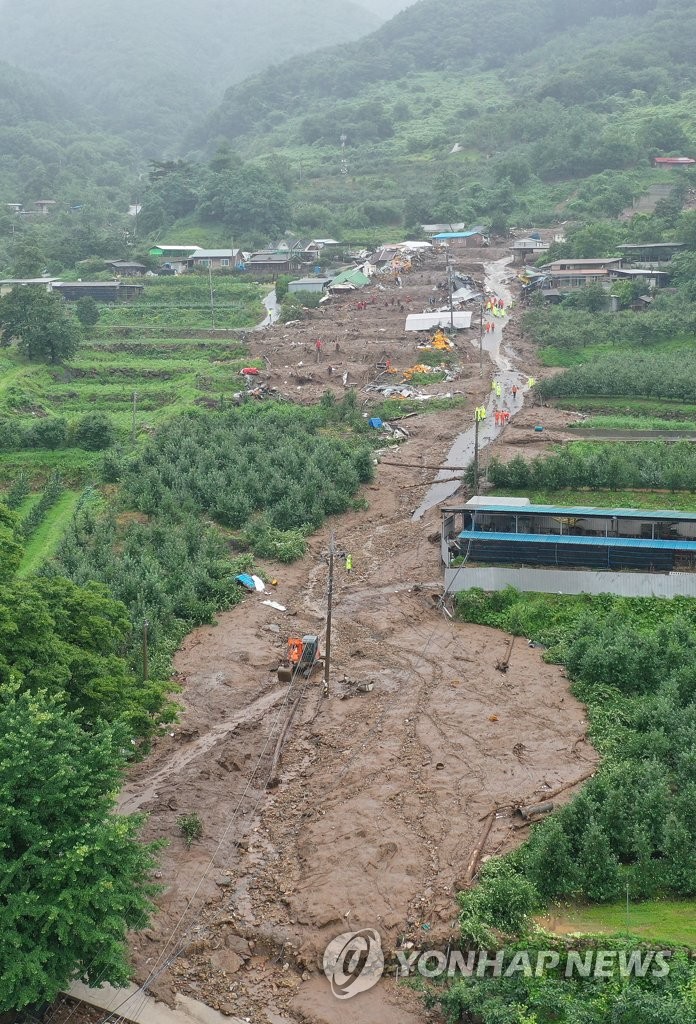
(573, 581)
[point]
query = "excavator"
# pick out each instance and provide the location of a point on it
(302, 657)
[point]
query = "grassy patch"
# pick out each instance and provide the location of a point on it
(395, 409)
(661, 921)
(553, 355)
(661, 408)
(44, 541)
(633, 423)
(75, 466)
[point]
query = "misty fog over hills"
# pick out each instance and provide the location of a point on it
(385, 8)
(152, 69)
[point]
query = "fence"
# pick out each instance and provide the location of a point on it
(572, 581)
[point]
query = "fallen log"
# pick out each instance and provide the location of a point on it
(569, 785)
(532, 810)
(476, 853)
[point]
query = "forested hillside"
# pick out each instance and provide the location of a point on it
(50, 148)
(530, 97)
(151, 69)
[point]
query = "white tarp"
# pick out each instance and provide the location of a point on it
(426, 321)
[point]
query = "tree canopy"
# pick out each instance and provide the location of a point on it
(73, 877)
(38, 322)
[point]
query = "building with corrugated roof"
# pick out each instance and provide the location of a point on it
(494, 543)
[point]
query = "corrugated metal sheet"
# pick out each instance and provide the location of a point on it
(572, 581)
(592, 510)
(601, 542)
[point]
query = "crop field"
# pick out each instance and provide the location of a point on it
(671, 922)
(166, 375)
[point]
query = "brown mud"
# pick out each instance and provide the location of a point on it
(379, 798)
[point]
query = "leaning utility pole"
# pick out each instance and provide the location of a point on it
(476, 454)
(212, 293)
(451, 300)
(327, 651)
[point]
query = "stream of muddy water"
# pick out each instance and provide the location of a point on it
(497, 277)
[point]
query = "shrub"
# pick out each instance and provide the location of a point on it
(191, 828)
(50, 433)
(94, 432)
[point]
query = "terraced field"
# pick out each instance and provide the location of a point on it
(154, 364)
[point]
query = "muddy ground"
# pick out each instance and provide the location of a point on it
(379, 798)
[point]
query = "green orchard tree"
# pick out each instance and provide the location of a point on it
(73, 877)
(37, 320)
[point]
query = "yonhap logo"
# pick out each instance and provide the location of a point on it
(354, 962)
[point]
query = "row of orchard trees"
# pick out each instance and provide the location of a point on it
(74, 878)
(632, 827)
(649, 464)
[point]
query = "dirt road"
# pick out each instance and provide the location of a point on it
(379, 796)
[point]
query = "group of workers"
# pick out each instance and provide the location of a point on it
(502, 416)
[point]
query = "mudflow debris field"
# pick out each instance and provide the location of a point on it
(368, 815)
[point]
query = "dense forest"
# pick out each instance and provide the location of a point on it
(552, 112)
(494, 129)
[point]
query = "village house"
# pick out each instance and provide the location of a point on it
(269, 263)
(7, 285)
(174, 258)
(649, 253)
(523, 248)
(126, 268)
(474, 238)
(214, 259)
(673, 161)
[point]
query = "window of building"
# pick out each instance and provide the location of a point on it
(224, 263)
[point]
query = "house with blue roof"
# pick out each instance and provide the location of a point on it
(472, 238)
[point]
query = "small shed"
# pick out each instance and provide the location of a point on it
(9, 283)
(100, 291)
(126, 268)
(315, 285)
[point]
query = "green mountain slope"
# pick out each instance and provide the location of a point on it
(152, 69)
(533, 98)
(50, 149)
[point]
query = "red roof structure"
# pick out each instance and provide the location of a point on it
(673, 161)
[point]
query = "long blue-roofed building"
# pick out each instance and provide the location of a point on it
(493, 543)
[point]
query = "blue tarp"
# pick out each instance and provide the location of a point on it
(375, 423)
(246, 581)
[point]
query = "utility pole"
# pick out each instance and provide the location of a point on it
(146, 662)
(212, 294)
(135, 407)
(476, 452)
(481, 343)
(327, 652)
(451, 301)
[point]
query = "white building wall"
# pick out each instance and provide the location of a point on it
(572, 581)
